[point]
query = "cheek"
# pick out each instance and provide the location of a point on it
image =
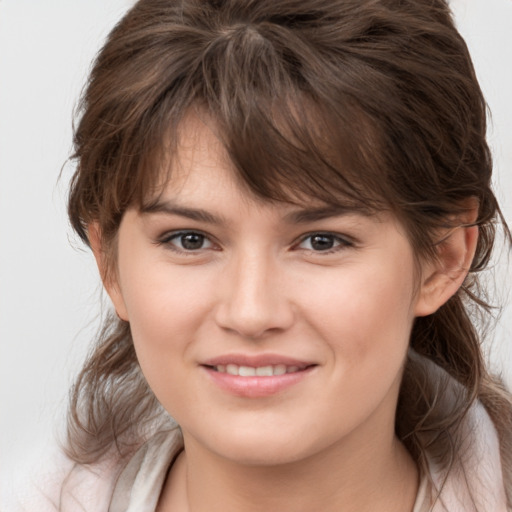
(158, 295)
(163, 310)
(368, 312)
(166, 309)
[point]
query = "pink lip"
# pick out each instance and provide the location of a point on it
(256, 360)
(256, 387)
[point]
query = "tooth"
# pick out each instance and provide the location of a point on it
(264, 371)
(279, 369)
(261, 371)
(232, 369)
(246, 371)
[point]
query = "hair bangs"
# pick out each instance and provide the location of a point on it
(286, 139)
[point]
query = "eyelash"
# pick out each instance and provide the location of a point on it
(342, 242)
(339, 241)
(168, 238)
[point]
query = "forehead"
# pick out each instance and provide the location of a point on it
(198, 165)
(195, 164)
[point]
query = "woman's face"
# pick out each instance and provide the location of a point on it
(270, 332)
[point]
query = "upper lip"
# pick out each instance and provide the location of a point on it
(256, 361)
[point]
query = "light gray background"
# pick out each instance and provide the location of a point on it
(49, 291)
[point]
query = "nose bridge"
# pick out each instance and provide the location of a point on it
(254, 301)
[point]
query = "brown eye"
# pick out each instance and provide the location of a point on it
(192, 241)
(188, 241)
(323, 242)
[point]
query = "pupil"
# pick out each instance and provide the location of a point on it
(322, 242)
(192, 241)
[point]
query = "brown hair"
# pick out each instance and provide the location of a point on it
(372, 101)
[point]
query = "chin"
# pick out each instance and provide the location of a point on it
(265, 456)
(256, 447)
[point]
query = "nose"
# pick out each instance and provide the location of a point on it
(253, 301)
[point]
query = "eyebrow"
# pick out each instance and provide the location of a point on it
(171, 208)
(303, 216)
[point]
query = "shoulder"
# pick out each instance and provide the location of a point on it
(59, 484)
(475, 482)
(108, 485)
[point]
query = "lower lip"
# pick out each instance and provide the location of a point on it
(256, 387)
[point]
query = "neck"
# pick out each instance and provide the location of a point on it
(351, 476)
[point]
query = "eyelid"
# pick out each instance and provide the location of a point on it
(167, 238)
(344, 241)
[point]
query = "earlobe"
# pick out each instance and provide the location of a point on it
(444, 276)
(108, 278)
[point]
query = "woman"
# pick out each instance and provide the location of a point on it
(289, 203)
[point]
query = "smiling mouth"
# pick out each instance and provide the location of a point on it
(259, 377)
(259, 371)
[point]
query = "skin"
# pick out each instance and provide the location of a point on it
(257, 284)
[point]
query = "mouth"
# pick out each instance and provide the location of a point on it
(257, 377)
(257, 371)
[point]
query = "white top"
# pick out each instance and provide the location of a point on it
(105, 487)
(140, 484)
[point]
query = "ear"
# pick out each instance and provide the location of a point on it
(108, 276)
(443, 277)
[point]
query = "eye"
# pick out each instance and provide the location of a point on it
(187, 241)
(323, 242)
